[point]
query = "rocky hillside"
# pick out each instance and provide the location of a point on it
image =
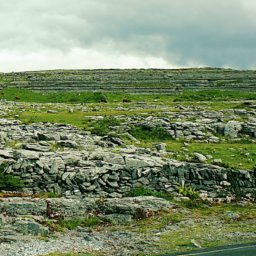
(134, 80)
(144, 175)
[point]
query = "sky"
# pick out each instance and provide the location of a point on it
(88, 34)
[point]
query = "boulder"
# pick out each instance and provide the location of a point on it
(232, 128)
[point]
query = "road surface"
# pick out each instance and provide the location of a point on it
(234, 250)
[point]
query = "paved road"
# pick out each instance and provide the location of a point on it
(235, 250)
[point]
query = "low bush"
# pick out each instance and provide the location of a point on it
(9, 182)
(189, 192)
(104, 126)
(150, 133)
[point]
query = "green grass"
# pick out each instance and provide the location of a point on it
(241, 155)
(73, 223)
(77, 119)
(236, 155)
(69, 254)
(24, 95)
(215, 95)
(47, 195)
(209, 235)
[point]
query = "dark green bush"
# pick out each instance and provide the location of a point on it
(9, 182)
(150, 133)
(104, 126)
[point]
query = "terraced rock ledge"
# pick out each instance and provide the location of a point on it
(132, 80)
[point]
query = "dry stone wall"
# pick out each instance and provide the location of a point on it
(112, 175)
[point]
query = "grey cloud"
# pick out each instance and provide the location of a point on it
(212, 33)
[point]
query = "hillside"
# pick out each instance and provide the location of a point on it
(132, 80)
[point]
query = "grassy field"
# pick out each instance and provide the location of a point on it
(24, 95)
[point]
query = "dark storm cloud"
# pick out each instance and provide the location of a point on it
(179, 33)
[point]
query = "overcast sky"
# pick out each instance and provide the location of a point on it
(53, 34)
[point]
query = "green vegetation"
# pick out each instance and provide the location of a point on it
(189, 192)
(9, 182)
(104, 126)
(142, 191)
(240, 154)
(46, 195)
(24, 95)
(233, 154)
(70, 254)
(210, 225)
(150, 133)
(82, 222)
(71, 224)
(215, 95)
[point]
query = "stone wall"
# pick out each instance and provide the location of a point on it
(110, 174)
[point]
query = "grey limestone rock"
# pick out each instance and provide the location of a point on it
(232, 128)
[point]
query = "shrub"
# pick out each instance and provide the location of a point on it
(189, 192)
(97, 97)
(9, 182)
(103, 127)
(150, 133)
